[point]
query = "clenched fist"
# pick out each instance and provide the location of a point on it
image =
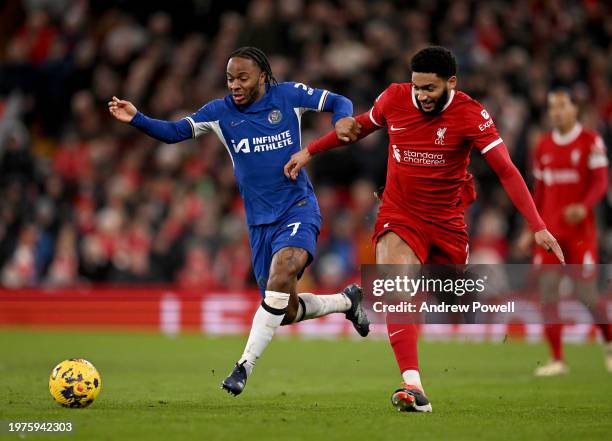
(347, 129)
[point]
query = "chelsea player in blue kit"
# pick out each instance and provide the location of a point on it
(259, 125)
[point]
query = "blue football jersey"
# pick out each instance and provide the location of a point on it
(260, 139)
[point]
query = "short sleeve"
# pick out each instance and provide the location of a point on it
(376, 112)
(480, 129)
(203, 120)
(305, 97)
(597, 154)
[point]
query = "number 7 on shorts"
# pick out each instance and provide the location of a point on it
(295, 226)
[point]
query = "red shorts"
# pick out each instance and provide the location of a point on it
(431, 242)
(580, 253)
(579, 250)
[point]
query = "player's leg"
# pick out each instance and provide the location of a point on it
(281, 252)
(301, 236)
(280, 288)
(391, 249)
(284, 273)
(268, 316)
(287, 264)
(451, 247)
(586, 290)
(349, 302)
(548, 284)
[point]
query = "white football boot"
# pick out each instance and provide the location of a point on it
(551, 369)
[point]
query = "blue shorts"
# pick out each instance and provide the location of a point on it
(294, 230)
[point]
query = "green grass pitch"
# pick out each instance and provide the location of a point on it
(156, 387)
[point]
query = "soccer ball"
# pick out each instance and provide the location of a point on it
(75, 383)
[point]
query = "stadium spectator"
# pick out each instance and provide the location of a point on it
(59, 66)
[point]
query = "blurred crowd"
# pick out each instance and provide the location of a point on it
(84, 198)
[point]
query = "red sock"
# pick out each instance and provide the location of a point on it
(553, 335)
(600, 315)
(553, 329)
(606, 331)
(403, 338)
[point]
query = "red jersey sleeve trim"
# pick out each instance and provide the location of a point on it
(495, 143)
(372, 118)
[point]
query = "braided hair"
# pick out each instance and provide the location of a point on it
(259, 58)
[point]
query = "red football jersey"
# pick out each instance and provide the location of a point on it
(428, 155)
(563, 163)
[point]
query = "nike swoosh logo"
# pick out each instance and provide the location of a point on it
(236, 123)
(396, 332)
(386, 225)
(397, 129)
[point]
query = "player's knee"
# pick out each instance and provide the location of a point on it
(281, 282)
(391, 249)
(286, 266)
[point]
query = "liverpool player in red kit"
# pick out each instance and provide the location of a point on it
(571, 177)
(432, 128)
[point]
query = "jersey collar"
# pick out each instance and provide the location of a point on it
(451, 95)
(569, 137)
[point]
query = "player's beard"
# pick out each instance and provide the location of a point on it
(254, 96)
(251, 96)
(440, 103)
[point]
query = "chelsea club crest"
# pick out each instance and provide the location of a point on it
(275, 116)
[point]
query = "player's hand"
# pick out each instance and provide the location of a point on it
(574, 213)
(547, 241)
(122, 110)
(348, 129)
(297, 161)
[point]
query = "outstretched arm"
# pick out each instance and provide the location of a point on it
(331, 141)
(512, 181)
(166, 131)
(327, 142)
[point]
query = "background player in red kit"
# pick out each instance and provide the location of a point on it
(432, 129)
(571, 177)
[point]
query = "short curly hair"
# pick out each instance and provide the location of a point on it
(435, 59)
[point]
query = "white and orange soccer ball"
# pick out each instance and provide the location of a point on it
(75, 383)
